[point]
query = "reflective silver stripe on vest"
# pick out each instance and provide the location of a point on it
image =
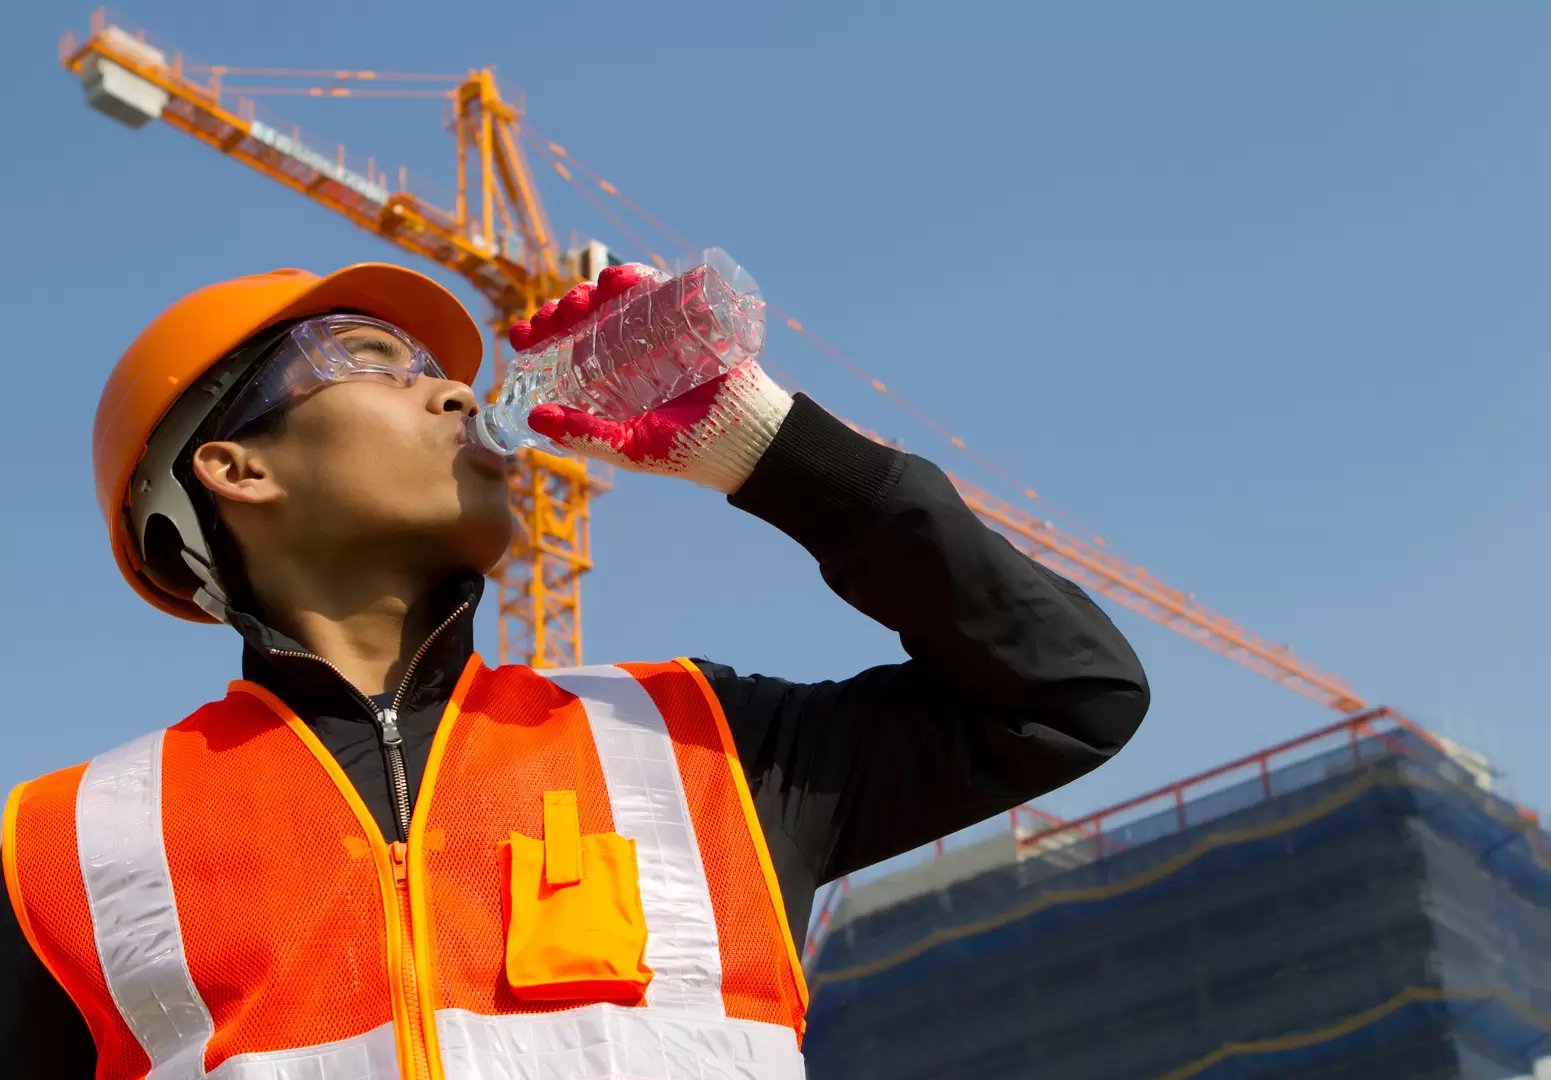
(647, 796)
(369, 1056)
(607, 1042)
(118, 823)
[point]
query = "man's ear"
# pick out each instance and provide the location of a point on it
(235, 472)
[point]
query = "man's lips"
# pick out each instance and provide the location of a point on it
(478, 452)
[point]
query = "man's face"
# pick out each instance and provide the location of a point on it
(368, 464)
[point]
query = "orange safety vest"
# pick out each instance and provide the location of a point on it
(585, 894)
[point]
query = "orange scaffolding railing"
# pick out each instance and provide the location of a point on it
(1179, 795)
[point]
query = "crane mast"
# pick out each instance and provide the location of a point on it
(497, 237)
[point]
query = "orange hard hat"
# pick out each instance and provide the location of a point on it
(192, 336)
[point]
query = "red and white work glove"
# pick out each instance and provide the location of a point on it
(713, 435)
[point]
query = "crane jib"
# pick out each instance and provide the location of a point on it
(315, 161)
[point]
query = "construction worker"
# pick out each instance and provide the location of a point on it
(377, 857)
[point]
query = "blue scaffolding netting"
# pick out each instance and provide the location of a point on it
(1368, 912)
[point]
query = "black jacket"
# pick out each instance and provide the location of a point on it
(1016, 684)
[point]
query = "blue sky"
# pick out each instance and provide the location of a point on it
(1255, 291)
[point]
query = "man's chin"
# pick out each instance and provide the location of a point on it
(483, 538)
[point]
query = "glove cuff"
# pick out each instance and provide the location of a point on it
(740, 426)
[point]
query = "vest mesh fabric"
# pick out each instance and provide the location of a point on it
(758, 982)
(522, 728)
(279, 882)
(46, 853)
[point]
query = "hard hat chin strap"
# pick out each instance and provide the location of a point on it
(211, 595)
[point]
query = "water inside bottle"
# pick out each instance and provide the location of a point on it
(662, 343)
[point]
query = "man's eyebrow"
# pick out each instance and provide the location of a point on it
(383, 346)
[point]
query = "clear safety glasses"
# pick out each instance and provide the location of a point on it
(324, 350)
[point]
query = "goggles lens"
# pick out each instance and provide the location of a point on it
(324, 350)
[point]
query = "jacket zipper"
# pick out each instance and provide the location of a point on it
(398, 850)
(388, 719)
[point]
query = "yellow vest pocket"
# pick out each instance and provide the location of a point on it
(575, 930)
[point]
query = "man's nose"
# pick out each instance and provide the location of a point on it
(453, 397)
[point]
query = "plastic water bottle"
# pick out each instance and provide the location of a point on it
(662, 338)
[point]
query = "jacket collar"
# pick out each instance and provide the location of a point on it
(312, 688)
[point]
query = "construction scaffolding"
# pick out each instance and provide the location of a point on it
(1356, 904)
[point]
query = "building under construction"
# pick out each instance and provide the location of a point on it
(1356, 905)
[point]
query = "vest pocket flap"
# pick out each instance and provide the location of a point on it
(562, 839)
(578, 938)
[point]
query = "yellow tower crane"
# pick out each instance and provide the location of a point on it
(497, 237)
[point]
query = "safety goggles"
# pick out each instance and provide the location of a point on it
(324, 350)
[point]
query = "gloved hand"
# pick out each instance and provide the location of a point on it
(713, 435)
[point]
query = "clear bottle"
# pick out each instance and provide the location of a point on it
(662, 338)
